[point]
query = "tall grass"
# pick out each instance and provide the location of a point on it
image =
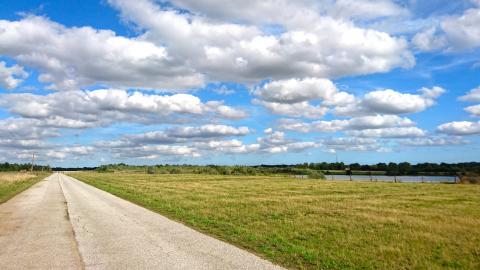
(12, 183)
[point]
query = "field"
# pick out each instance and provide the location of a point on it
(317, 224)
(12, 183)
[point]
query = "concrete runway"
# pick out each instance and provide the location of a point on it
(62, 223)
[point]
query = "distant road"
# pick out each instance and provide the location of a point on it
(62, 223)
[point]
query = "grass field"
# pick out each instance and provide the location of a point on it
(12, 183)
(315, 224)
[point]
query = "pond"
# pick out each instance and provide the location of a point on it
(399, 179)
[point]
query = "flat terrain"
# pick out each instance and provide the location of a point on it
(315, 224)
(62, 223)
(12, 183)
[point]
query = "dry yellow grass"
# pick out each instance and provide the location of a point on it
(12, 183)
(10, 177)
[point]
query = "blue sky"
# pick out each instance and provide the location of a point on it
(218, 82)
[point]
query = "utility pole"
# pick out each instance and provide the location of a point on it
(33, 161)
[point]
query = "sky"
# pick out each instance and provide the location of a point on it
(85, 83)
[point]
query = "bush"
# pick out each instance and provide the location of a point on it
(470, 178)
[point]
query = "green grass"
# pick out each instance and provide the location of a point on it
(315, 224)
(12, 183)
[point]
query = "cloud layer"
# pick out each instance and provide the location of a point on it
(200, 79)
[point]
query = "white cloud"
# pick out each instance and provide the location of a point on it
(433, 141)
(463, 32)
(155, 151)
(356, 123)
(24, 129)
(223, 90)
(352, 144)
(460, 128)
(429, 40)
(11, 77)
(473, 110)
(395, 132)
(292, 14)
(300, 109)
(68, 58)
(182, 141)
(472, 96)
(276, 142)
(208, 131)
(367, 9)
(85, 109)
(392, 102)
(27, 144)
(73, 152)
(226, 51)
(228, 147)
(454, 33)
(292, 97)
(186, 134)
(295, 90)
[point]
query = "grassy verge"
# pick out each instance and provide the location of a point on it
(312, 224)
(12, 183)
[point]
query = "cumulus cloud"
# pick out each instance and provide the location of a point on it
(188, 134)
(429, 40)
(460, 128)
(11, 77)
(24, 129)
(227, 147)
(295, 90)
(154, 151)
(356, 123)
(69, 58)
(243, 53)
(463, 32)
(433, 141)
(473, 110)
(186, 141)
(352, 144)
(181, 50)
(62, 153)
(392, 102)
(395, 132)
(472, 96)
(454, 33)
(208, 131)
(86, 109)
(276, 142)
(18, 144)
(286, 52)
(292, 97)
(291, 14)
(367, 9)
(299, 109)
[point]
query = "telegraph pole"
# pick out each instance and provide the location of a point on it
(33, 162)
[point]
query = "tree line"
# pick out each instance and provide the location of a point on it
(312, 169)
(16, 167)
